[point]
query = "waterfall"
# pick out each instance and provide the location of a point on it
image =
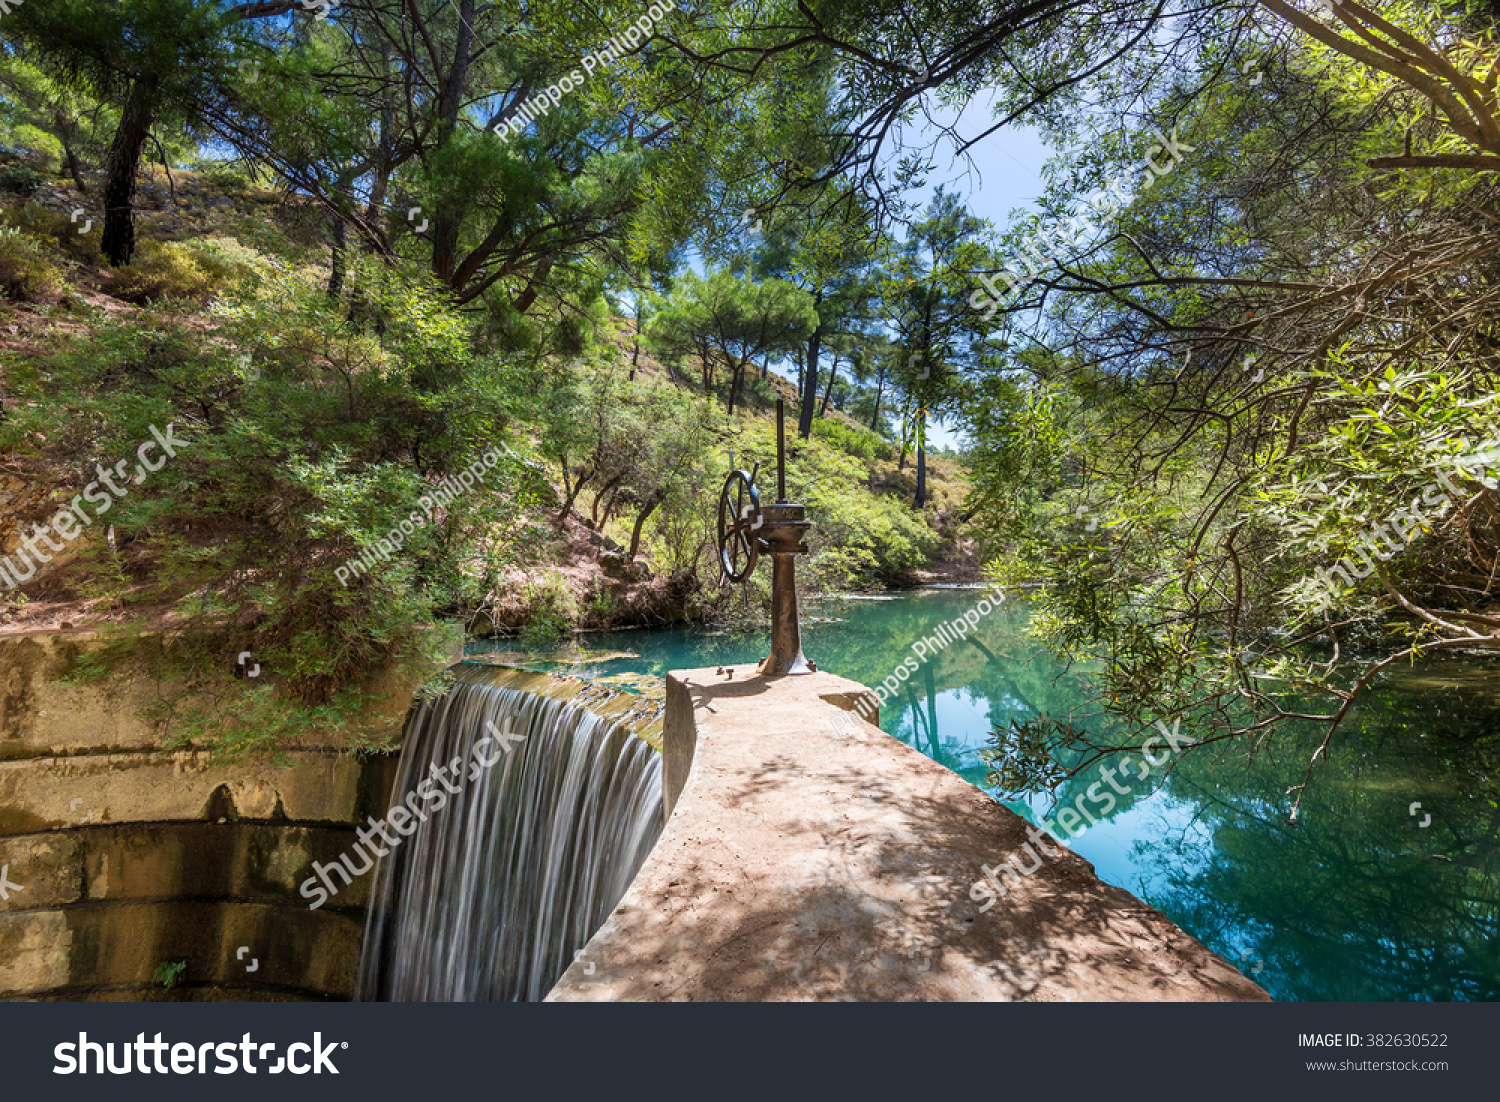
(489, 898)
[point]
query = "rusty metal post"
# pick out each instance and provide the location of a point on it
(783, 533)
(782, 528)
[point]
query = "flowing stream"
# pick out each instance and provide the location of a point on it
(491, 896)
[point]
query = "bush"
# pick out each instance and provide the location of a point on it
(57, 231)
(858, 442)
(298, 455)
(20, 180)
(26, 274)
(230, 177)
(186, 271)
(552, 611)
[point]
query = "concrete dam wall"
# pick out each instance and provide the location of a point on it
(125, 857)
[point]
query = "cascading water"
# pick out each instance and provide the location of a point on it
(490, 897)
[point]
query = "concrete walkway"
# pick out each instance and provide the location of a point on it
(804, 863)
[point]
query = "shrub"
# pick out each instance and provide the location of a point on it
(169, 973)
(26, 274)
(57, 231)
(230, 177)
(20, 180)
(179, 270)
(285, 474)
(602, 607)
(858, 442)
(552, 611)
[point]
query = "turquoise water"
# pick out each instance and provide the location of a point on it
(1359, 902)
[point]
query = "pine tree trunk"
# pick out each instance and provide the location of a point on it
(921, 498)
(528, 296)
(337, 239)
(445, 222)
(70, 159)
(380, 174)
(833, 372)
(120, 171)
(734, 384)
(810, 380)
(635, 352)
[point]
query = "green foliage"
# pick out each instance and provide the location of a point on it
(1024, 758)
(1391, 460)
(182, 272)
(729, 322)
(310, 428)
(551, 612)
(1188, 482)
(939, 339)
(49, 122)
(89, 667)
(20, 179)
(169, 973)
(258, 722)
(642, 450)
(851, 440)
(26, 273)
(602, 606)
(230, 177)
(55, 231)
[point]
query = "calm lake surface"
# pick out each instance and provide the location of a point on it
(1358, 902)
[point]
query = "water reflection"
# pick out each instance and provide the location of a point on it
(1359, 902)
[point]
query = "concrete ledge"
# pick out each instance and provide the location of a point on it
(55, 793)
(803, 864)
(640, 715)
(50, 707)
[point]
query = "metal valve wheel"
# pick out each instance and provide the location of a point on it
(739, 520)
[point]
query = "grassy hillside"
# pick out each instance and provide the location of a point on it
(313, 429)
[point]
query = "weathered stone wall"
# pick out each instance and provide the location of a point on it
(119, 856)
